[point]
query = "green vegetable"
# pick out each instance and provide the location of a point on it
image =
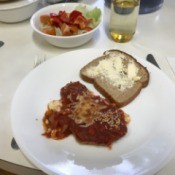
(94, 13)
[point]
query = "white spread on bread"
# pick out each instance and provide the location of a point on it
(113, 68)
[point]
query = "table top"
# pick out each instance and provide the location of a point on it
(155, 34)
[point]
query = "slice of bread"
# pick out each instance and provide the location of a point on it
(117, 75)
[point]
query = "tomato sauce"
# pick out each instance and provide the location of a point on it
(91, 119)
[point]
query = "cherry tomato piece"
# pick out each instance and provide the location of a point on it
(73, 15)
(49, 30)
(45, 19)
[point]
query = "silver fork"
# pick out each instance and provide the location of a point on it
(37, 61)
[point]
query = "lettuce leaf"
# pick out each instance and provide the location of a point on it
(94, 14)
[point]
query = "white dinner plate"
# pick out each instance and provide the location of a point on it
(145, 149)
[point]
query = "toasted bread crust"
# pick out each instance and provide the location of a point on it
(111, 98)
(121, 98)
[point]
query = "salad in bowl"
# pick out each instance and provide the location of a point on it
(63, 23)
(67, 24)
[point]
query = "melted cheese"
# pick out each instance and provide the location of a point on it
(87, 110)
(116, 71)
(55, 105)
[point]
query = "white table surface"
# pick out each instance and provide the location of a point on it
(155, 34)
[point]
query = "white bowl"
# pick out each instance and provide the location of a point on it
(17, 10)
(61, 41)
